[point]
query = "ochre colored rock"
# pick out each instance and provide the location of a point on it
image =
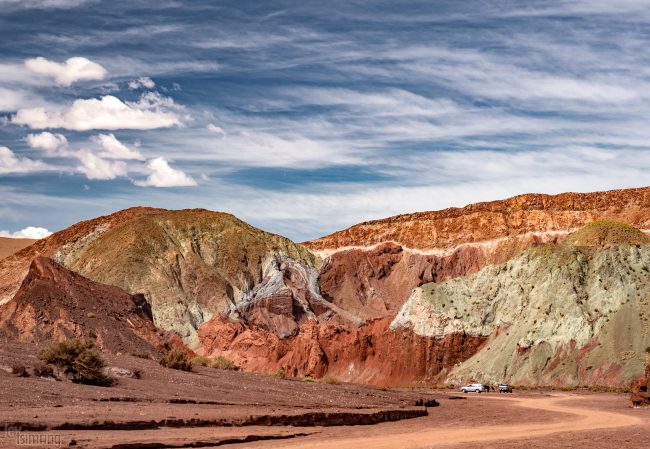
(56, 304)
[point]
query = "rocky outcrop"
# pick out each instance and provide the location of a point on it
(500, 294)
(372, 267)
(375, 282)
(55, 304)
(287, 297)
(556, 315)
(482, 222)
(641, 390)
(371, 353)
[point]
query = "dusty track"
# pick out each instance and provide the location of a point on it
(581, 420)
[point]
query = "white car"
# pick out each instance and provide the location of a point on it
(473, 388)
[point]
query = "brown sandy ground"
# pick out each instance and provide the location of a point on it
(210, 408)
(532, 420)
(177, 408)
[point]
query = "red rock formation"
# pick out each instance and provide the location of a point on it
(54, 303)
(373, 266)
(377, 282)
(641, 390)
(531, 213)
(371, 353)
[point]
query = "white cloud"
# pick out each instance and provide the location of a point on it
(114, 149)
(162, 175)
(94, 167)
(73, 70)
(51, 144)
(216, 129)
(10, 163)
(13, 99)
(30, 232)
(144, 82)
(42, 4)
(109, 112)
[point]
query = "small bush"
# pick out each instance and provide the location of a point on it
(281, 373)
(308, 379)
(79, 360)
(219, 362)
(331, 380)
(200, 361)
(176, 359)
(223, 363)
(90, 315)
(42, 370)
(140, 355)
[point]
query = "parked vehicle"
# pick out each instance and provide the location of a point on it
(505, 388)
(473, 388)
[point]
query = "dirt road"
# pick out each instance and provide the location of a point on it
(571, 418)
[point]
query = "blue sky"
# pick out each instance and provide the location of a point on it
(306, 117)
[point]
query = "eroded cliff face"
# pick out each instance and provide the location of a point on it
(573, 315)
(372, 267)
(370, 353)
(376, 282)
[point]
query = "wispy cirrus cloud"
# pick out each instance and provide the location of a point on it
(310, 117)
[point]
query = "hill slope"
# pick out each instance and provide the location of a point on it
(575, 313)
(55, 304)
(191, 265)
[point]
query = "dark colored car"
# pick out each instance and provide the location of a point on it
(505, 388)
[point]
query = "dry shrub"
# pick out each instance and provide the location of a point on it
(176, 359)
(331, 380)
(79, 360)
(200, 361)
(221, 362)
